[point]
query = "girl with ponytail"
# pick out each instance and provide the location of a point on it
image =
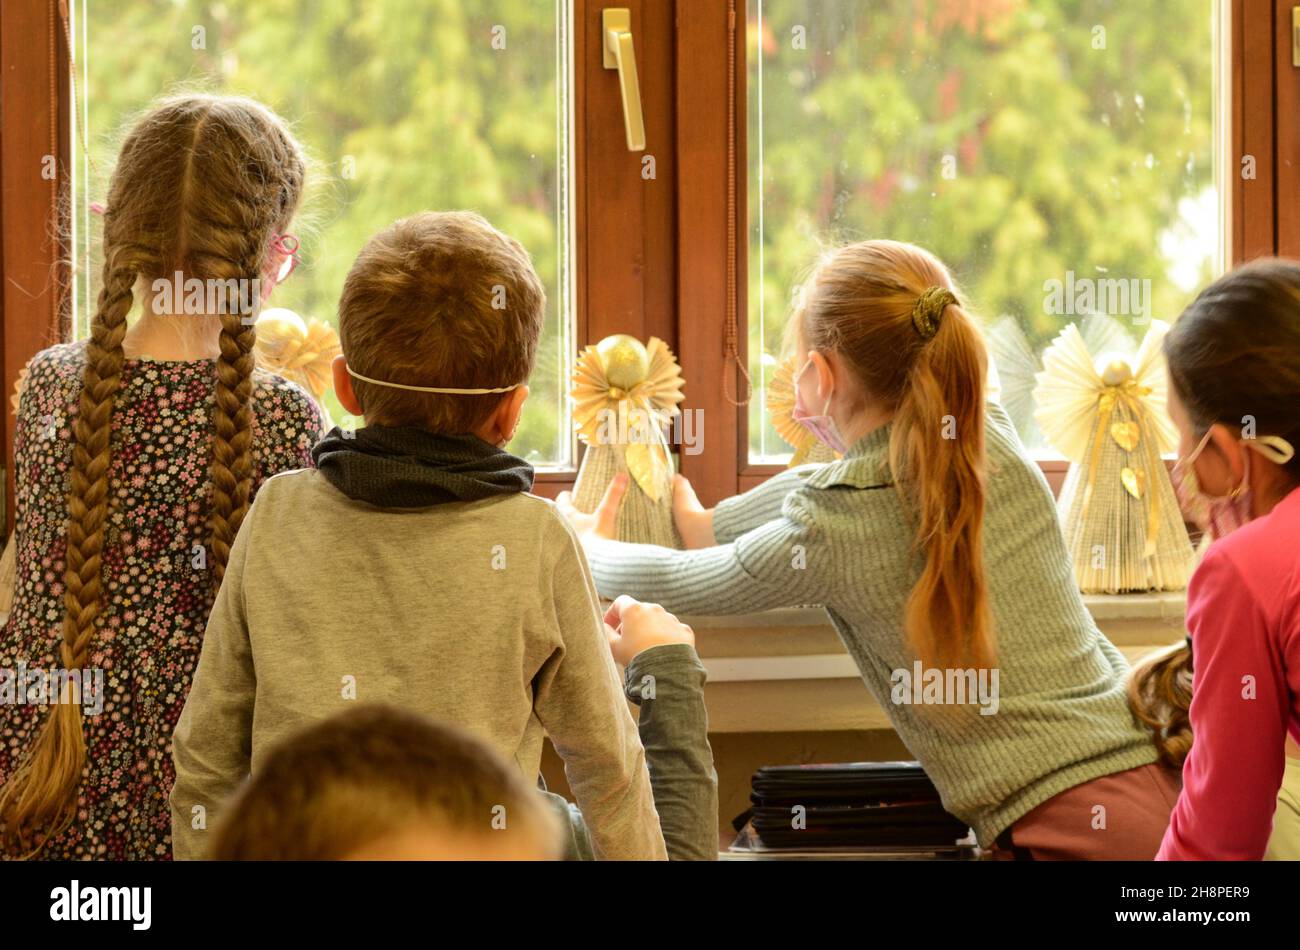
(138, 451)
(935, 547)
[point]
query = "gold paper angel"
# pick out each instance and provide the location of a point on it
(625, 394)
(780, 410)
(300, 351)
(1107, 416)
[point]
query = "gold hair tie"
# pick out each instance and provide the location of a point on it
(929, 310)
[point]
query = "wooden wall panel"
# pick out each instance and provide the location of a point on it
(33, 64)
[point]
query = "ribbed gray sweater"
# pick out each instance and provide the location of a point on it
(837, 535)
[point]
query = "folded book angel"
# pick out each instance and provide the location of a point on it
(1106, 414)
(625, 396)
(780, 410)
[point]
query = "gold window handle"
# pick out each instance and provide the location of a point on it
(616, 26)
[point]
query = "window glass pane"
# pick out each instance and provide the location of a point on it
(403, 106)
(1022, 141)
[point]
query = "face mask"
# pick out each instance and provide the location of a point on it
(1220, 515)
(822, 426)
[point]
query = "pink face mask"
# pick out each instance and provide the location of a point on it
(1220, 515)
(822, 426)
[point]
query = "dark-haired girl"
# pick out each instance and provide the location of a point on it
(137, 454)
(1234, 370)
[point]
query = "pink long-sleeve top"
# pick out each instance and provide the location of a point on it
(1243, 611)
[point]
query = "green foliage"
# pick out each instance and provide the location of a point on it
(1066, 156)
(404, 105)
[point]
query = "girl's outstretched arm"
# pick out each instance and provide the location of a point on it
(734, 516)
(781, 563)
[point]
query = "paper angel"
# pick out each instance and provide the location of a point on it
(300, 351)
(1015, 365)
(1107, 416)
(780, 409)
(625, 394)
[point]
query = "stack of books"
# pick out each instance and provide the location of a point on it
(858, 809)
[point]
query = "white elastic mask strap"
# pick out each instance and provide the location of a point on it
(429, 389)
(1274, 448)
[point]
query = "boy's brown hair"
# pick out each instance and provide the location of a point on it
(440, 299)
(371, 772)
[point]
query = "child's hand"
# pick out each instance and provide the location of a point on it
(601, 523)
(634, 627)
(694, 521)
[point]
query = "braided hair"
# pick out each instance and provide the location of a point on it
(202, 185)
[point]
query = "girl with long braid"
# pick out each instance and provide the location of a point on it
(138, 451)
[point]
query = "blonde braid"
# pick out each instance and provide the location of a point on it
(232, 438)
(40, 797)
(234, 241)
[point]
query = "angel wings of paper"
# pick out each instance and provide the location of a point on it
(1105, 412)
(625, 395)
(780, 409)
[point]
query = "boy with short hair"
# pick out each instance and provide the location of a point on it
(435, 582)
(378, 783)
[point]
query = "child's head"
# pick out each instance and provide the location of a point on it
(203, 185)
(440, 300)
(1234, 372)
(378, 783)
(887, 338)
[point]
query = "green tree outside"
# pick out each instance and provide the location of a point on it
(1018, 140)
(404, 105)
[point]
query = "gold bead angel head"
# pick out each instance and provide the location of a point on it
(300, 351)
(1107, 415)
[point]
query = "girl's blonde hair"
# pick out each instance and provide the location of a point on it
(891, 310)
(202, 185)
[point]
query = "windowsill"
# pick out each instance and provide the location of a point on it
(787, 671)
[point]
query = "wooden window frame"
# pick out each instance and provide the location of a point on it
(624, 259)
(34, 303)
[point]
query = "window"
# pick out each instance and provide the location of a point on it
(1028, 144)
(401, 107)
(1022, 140)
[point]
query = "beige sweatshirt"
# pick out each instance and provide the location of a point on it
(482, 613)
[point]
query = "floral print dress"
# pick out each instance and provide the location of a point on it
(159, 588)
